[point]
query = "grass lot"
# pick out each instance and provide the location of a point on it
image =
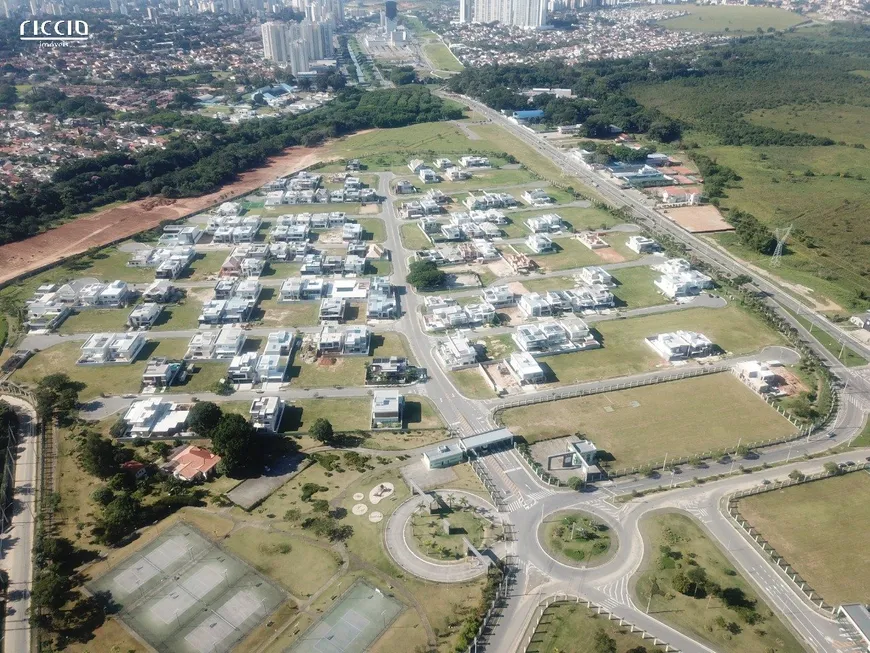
(680, 418)
(637, 287)
(471, 384)
(572, 627)
(390, 149)
(375, 231)
(548, 283)
(687, 543)
(111, 636)
(578, 217)
(839, 122)
(496, 347)
(731, 19)
(99, 379)
(480, 179)
(179, 316)
(300, 566)
(574, 537)
(282, 270)
(441, 57)
(292, 314)
(378, 267)
(348, 370)
(287, 209)
(849, 358)
(204, 265)
(625, 350)
(413, 237)
(827, 206)
(96, 320)
(863, 439)
(569, 254)
(107, 265)
(819, 541)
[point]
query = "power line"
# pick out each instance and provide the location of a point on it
(781, 235)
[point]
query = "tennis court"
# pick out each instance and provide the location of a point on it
(355, 621)
(182, 593)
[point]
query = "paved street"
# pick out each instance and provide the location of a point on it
(16, 543)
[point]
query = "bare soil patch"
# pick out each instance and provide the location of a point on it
(609, 255)
(123, 221)
(699, 219)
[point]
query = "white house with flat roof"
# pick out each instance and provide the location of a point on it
(525, 369)
(456, 351)
(642, 244)
(155, 417)
(387, 408)
(681, 345)
(547, 223)
(243, 368)
(756, 375)
(540, 243)
(143, 316)
(103, 348)
(499, 296)
(595, 275)
(265, 414)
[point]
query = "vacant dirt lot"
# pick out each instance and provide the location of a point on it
(123, 221)
(699, 219)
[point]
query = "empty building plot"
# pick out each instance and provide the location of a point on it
(182, 593)
(818, 527)
(355, 621)
(641, 426)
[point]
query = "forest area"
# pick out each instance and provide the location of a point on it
(205, 154)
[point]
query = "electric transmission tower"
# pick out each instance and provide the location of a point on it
(781, 234)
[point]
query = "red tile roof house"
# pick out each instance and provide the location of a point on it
(192, 464)
(134, 467)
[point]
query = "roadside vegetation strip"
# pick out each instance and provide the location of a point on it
(689, 583)
(681, 419)
(837, 349)
(579, 628)
(803, 527)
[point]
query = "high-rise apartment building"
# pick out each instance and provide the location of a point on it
(274, 41)
(465, 11)
(522, 13)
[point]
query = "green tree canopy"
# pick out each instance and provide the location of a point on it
(233, 439)
(204, 417)
(322, 431)
(425, 275)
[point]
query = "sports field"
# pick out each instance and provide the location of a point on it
(819, 528)
(184, 594)
(642, 425)
(353, 623)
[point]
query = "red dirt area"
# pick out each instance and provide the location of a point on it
(119, 222)
(609, 255)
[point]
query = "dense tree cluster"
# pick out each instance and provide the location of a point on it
(194, 166)
(57, 396)
(752, 232)
(425, 275)
(52, 100)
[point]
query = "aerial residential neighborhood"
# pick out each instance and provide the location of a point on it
(457, 326)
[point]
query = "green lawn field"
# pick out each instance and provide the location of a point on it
(706, 619)
(817, 527)
(731, 19)
(413, 237)
(679, 418)
(441, 57)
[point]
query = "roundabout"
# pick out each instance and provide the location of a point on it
(577, 538)
(425, 535)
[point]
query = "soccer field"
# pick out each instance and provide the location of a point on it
(820, 528)
(642, 425)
